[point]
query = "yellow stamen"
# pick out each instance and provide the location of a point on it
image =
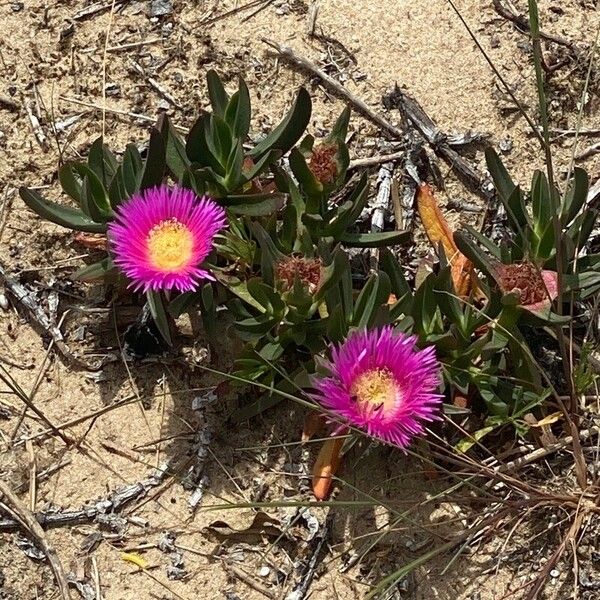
(170, 245)
(376, 387)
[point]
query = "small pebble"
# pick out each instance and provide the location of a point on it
(506, 145)
(3, 301)
(554, 573)
(264, 571)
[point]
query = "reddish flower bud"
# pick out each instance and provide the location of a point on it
(323, 163)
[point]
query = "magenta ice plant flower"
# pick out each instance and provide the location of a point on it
(379, 381)
(160, 237)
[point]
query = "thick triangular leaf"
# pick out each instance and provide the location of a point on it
(289, 131)
(99, 270)
(70, 181)
(57, 213)
(102, 162)
(132, 169)
(176, 157)
(159, 314)
(197, 149)
(238, 110)
(216, 92)
(576, 195)
(154, 166)
(375, 240)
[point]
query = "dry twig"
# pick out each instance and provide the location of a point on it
(303, 63)
(522, 23)
(26, 521)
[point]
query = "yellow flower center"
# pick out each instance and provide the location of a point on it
(376, 387)
(170, 245)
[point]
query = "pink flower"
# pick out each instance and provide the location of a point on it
(160, 237)
(380, 382)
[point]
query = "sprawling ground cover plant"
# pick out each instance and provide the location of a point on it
(261, 229)
(254, 234)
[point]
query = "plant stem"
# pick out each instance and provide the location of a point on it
(572, 420)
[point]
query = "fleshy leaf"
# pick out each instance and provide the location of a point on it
(159, 314)
(66, 216)
(289, 131)
(375, 240)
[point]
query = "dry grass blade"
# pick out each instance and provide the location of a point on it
(28, 522)
(20, 393)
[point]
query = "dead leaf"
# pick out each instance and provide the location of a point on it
(552, 418)
(325, 467)
(434, 222)
(313, 423)
(438, 231)
(91, 240)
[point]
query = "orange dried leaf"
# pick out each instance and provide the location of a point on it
(461, 271)
(438, 231)
(325, 467)
(312, 425)
(434, 222)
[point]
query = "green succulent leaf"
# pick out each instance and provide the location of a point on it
(176, 156)
(308, 182)
(219, 139)
(70, 181)
(196, 146)
(155, 163)
(237, 113)
(372, 297)
(337, 326)
(425, 307)
(576, 195)
(182, 303)
(261, 164)
(270, 254)
(98, 270)
(390, 265)
(95, 200)
(306, 145)
(340, 127)
(473, 253)
(132, 169)
(448, 300)
(291, 128)
(217, 94)
(117, 192)
(156, 303)
(239, 288)
(65, 216)
(492, 248)
(234, 177)
(503, 183)
(349, 212)
(102, 162)
(208, 310)
(375, 240)
(332, 274)
(541, 202)
(266, 296)
(253, 205)
(581, 228)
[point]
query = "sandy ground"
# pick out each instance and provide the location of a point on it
(47, 59)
